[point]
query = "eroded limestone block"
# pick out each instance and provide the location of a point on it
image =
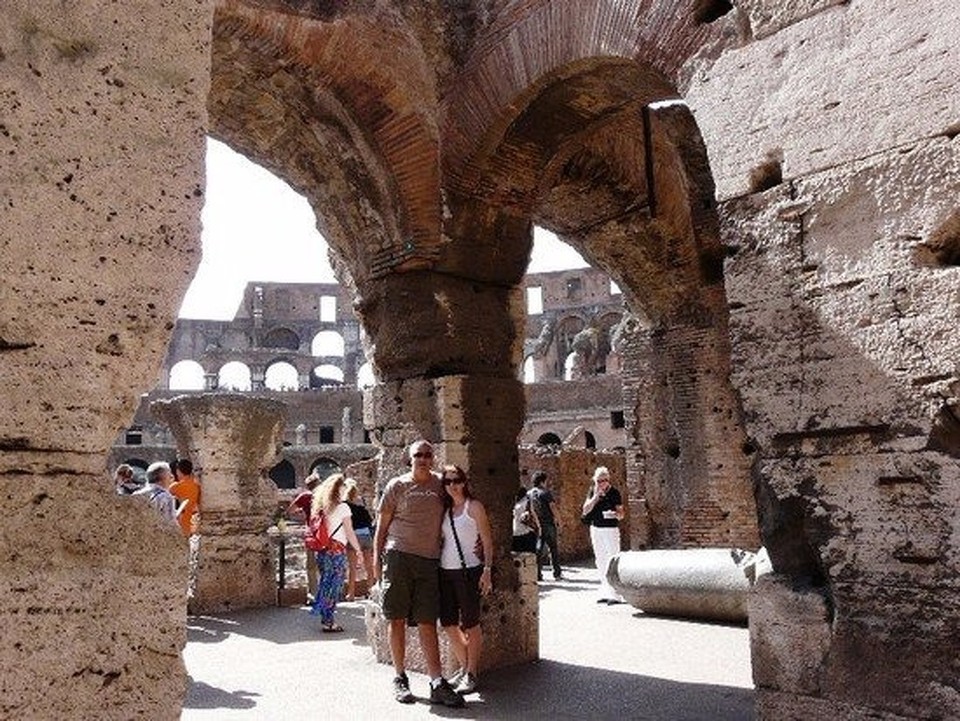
(789, 635)
(93, 607)
(698, 582)
(800, 117)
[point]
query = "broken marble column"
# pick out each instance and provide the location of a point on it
(232, 440)
(709, 583)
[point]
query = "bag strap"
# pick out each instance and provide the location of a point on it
(456, 538)
(323, 519)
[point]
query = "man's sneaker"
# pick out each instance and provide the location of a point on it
(401, 689)
(468, 684)
(444, 693)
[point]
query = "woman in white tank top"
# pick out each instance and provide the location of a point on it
(465, 560)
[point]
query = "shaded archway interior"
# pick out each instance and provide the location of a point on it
(591, 152)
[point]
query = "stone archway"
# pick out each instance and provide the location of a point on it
(410, 117)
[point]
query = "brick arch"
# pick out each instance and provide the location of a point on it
(179, 368)
(588, 150)
(535, 44)
(348, 96)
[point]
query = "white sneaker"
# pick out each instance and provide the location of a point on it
(456, 677)
(468, 684)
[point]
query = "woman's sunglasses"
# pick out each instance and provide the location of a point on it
(450, 481)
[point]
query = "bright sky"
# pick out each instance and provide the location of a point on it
(256, 228)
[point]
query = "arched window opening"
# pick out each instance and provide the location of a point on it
(326, 376)
(282, 338)
(549, 439)
(187, 375)
(284, 475)
(590, 440)
(324, 467)
(282, 376)
(234, 376)
(327, 343)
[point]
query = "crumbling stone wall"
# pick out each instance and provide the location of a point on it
(787, 243)
(837, 191)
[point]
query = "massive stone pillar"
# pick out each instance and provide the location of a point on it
(451, 346)
(850, 376)
(232, 440)
(101, 184)
(472, 422)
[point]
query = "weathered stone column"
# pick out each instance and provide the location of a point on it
(474, 423)
(232, 439)
(101, 186)
(448, 348)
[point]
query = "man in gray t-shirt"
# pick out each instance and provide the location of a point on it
(406, 554)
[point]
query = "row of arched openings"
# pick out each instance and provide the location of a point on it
(283, 474)
(188, 375)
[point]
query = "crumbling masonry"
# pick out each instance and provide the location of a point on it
(772, 185)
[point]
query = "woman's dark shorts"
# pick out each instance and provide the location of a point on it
(460, 596)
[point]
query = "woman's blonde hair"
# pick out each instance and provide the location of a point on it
(600, 471)
(328, 494)
(352, 490)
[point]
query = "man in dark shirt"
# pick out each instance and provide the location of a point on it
(544, 505)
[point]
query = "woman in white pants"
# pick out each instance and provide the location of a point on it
(603, 510)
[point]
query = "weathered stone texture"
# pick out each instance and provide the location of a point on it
(829, 90)
(232, 440)
(856, 312)
(101, 632)
(819, 363)
(840, 331)
(90, 122)
(101, 134)
(768, 16)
